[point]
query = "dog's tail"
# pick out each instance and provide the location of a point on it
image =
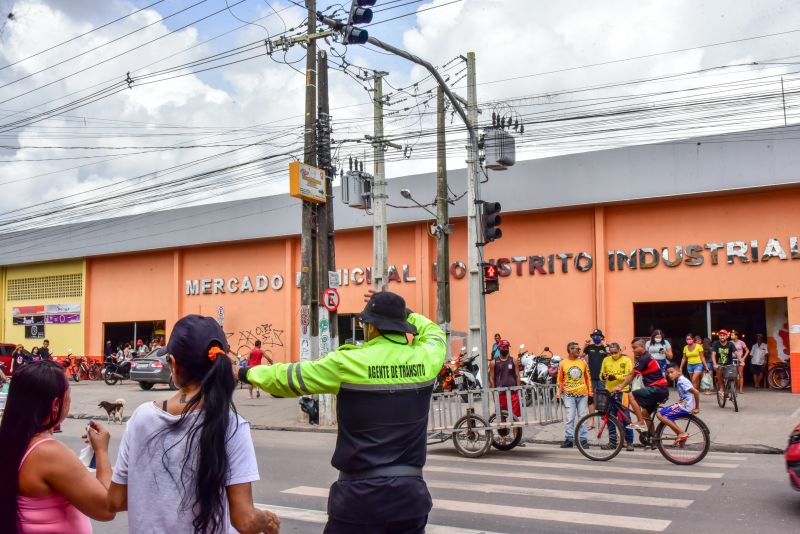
(120, 401)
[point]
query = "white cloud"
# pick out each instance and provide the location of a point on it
(511, 38)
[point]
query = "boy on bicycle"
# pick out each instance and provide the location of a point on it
(654, 385)
(689, 403)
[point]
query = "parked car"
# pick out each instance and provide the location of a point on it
(6, 350)
(792, 456)
(152, 369)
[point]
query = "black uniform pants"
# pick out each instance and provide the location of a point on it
(407, 526)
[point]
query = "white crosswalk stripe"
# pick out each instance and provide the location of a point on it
(595, 467)
(541, 514)
(562, 477)
(547, 486)
(320, 517)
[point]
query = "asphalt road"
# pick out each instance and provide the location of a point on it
(534, 489)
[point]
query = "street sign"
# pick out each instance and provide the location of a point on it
(221, 315)
(330, 299)
(307, 182)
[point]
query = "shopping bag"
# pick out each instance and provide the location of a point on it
(707, 382)
(637, 383)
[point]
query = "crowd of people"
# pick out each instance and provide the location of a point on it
(20, 356)
(639, 382)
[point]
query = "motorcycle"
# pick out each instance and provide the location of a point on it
(538, 370)
(465, 375)
(114, 372)
(444, 380)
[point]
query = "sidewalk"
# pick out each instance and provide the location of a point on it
(762, 425)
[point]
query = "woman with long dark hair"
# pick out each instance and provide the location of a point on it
(43, 485)
(186, 465)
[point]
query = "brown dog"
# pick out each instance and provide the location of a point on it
(113, 409)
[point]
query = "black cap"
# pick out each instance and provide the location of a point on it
(387, 311)
(597, 333)
(192, 336)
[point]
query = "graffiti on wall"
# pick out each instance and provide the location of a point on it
(243, 341)
(778, 330)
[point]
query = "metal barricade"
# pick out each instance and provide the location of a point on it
(458, 412)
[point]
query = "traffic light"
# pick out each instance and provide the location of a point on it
(360, 13)
(491, 222)
(491, 278)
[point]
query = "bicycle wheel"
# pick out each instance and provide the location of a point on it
(687, 452)
(779, 377)
(604, 441)
(732, 395)
(722, 395)
(471, 436)
(505, 439)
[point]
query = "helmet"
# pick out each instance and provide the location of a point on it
(475, 350)
(504, 344)
(463, 350)
(555, 359)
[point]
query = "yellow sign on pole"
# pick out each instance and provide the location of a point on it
(307, 182)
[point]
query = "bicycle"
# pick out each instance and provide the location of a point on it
(780, 377)
(730, 375)
(605, 440)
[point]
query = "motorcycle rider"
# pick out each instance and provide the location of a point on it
(503, 374)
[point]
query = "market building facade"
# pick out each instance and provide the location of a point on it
(691, 236)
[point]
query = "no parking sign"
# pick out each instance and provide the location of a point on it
(330, 299)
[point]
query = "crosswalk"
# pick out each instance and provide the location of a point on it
(528, 489)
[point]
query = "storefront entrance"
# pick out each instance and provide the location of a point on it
(121, 333)
(706, 318)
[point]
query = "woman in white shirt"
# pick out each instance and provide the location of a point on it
(187, 465)
(758, 360)
(659, 348)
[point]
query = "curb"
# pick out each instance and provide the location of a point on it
(715, 447)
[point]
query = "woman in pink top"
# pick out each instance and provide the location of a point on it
(44, 488)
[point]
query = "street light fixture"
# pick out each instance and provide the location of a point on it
(406, 194)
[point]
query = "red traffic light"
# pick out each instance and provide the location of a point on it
(490, 272)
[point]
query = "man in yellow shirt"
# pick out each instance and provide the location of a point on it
(616, 366)
(574, 387)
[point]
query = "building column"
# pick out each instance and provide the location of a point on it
(599, 268)
(176, 308)
(291, 313)
(86, 315)
(794, 341)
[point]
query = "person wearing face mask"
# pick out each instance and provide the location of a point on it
(595, 351)
(659, 348)
(616, 366)
(504, 374)
(694, 360)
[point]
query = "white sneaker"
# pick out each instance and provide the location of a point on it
(638, 428)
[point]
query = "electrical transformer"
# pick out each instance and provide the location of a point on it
(499, 147)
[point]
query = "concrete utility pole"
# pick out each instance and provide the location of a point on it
(308, 245)
(380, 255)
(442, 220)
(476, 307)
(328, 321)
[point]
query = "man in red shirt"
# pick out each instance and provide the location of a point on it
(256, 355)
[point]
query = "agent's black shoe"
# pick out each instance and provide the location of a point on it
(567, 444)
(585, 444)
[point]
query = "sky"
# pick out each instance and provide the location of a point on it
(120, 120)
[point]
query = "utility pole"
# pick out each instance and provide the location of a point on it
(442, 220)
(476, 306)
(328, 321)
(308, 245)
(380, 259)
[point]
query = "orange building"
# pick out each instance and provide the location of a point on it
(686, 237)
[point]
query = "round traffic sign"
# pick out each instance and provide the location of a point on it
(330, 299)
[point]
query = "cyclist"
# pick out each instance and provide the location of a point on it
(689, 402)
(723, 352)
(654, 385)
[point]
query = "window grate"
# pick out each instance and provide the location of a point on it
(46, 287)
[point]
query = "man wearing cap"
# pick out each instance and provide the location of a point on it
(383, 393)
(595, 352)
(141, 348)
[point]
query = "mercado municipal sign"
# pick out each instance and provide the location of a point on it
(692, 255)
